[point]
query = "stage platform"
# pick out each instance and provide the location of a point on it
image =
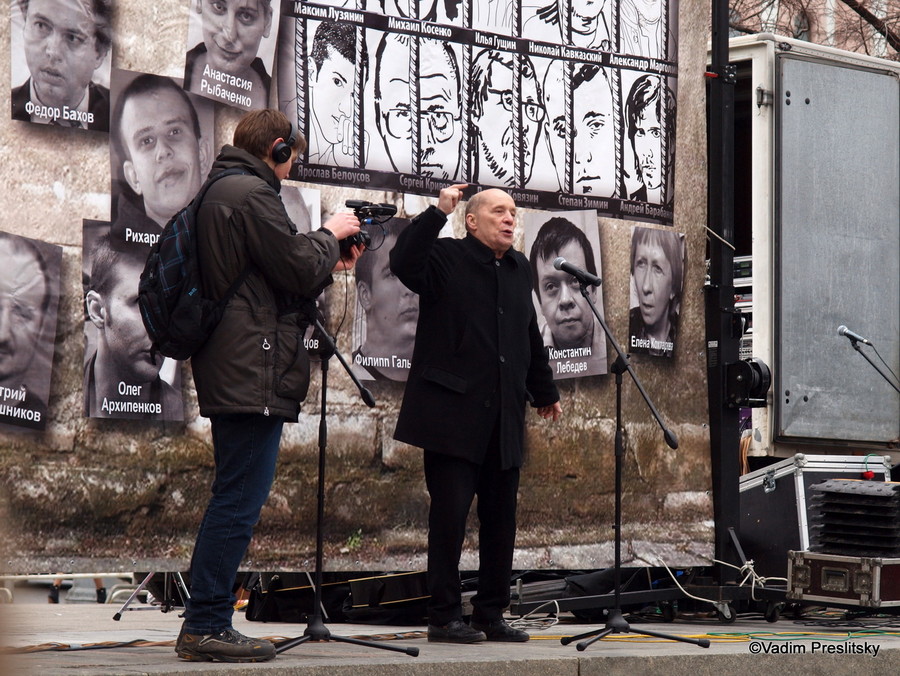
(750, 645)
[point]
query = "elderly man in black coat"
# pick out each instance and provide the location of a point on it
(477, 360)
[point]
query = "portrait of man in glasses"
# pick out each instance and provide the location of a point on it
(437, 111)
(507, 115)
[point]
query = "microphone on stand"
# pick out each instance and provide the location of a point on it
(855, 337)
(581, 275)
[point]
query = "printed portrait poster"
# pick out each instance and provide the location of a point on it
(60, 63)
(123, 377)
(657, 283)
(574, 339)
(231, 51)
(387, 312)
(29, 300)
(161, 150)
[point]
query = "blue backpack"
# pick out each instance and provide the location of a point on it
(177, 317)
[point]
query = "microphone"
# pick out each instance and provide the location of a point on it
(855, 337)
(581, 275)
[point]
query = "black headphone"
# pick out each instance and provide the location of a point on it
(281, 153)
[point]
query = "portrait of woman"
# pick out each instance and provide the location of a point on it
(226, 65)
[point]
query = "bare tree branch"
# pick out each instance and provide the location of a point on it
(878, 24)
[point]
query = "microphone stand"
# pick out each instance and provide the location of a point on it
(615, 622)
(856, 347)
(316, 629)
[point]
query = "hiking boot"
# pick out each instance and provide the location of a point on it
(227, 645)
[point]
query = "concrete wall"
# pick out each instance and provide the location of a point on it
(122, 495)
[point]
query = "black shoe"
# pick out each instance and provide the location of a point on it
(455, 631)
(501, 631)
(101, 594)
(226, 646)
(53, 596)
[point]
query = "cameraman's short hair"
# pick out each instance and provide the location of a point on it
(258, 129)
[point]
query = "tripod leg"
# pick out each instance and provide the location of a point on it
(412, 652)
(287, 645)
(128, 602)
(702, 642)
(584, 644)
(566, 640)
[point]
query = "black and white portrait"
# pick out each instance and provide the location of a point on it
(29, 297)
(61, 62)
(231, 49)
(337, 68)
(417, 106)
(580, 23)
(644, 28)
(506, 118)
(657, 282)
(387, 312)
(123, 376)
(573, 336)
(161, 151)
(436, 11)
(581, 124)
(649, 118)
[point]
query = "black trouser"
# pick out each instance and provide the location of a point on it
(452, 484)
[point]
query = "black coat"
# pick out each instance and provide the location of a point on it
(255, 360)
(478, 351)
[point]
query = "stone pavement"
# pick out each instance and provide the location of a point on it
(747, 646)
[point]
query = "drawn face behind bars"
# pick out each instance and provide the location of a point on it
(333, 72)
(440, 131)
(494, 121)
(592, 129)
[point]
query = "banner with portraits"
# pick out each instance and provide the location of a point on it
(29, 300)
(566, 105)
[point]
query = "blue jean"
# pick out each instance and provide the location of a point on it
(246, 449)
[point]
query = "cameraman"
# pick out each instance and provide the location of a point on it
(253, 372)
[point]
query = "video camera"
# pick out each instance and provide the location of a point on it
(368, 213)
